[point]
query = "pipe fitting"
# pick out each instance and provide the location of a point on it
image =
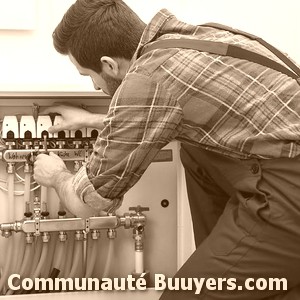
(27, 144)
(46, 237)
(16, 226)
(60, 144)
(10, 145)
(79, 235)
(27, 168)
(138, 243)
(37, 207)
(29, 238)
(138, 238)
(10, 168)
(76, 166)
(111, 233)
(62, 236)
(77, 144)
(126, 221)
(95, 234)
(6, 233)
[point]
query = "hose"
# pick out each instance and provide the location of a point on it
(76, 259)
(10, 247)
(139, 262)
(51, 251)
(59, 255)
(44, 194)
(108, 262)
(27, 181)
(42, 261)
(84, 253)
(21, 250)
(26, 259)
(38, 270)
(37, 255)
(24, 266)
(35, 272)
(69, 258)
(91, 258)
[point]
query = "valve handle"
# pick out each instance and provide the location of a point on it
(139, 209)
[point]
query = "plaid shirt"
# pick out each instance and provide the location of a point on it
(219, 103)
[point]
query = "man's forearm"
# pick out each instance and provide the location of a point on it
(65, 190)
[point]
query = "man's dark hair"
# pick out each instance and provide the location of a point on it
(91, 29)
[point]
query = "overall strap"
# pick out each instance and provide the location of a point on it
(226, 49)
(274, 50)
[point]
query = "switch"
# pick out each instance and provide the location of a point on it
(27, 127)
(61, 134)
(10, 127)
(42, 125)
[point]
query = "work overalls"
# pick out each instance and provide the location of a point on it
(246, 219)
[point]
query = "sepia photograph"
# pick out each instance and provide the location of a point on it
(149, 150)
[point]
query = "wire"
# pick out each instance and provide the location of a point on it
(21, 179)
(19, 193)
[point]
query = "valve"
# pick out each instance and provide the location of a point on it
(44, 211)
(134, 220)
(27, 213)
(139, 219)
(37, 207)
(139, 209)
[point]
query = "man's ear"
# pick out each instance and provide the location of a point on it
(110, 66)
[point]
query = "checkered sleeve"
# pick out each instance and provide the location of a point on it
(143, 117)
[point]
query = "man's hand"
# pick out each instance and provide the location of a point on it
(47, 169)
(50, 171)
(74, 118)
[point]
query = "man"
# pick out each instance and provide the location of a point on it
(239, 126)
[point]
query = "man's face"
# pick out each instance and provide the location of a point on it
(101, 81)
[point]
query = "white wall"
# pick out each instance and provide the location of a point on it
(29, 62)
